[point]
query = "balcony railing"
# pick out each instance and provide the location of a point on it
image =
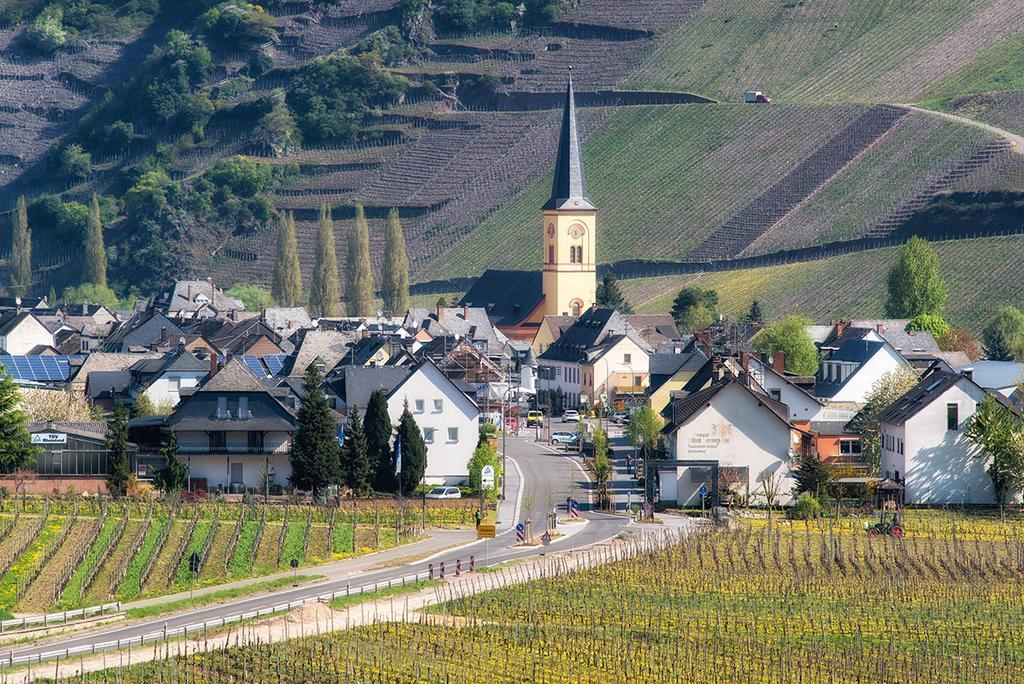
(207, 449)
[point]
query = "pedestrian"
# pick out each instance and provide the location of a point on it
(479, 517)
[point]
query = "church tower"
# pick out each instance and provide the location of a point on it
(570, 224)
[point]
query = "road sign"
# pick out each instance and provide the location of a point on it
(487, 477)
(574, 508)
(194, 562)
(294, 563)
(485, 531)
(703, 490)
(520, 533)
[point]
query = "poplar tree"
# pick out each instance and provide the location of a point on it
(359, 290)
(323, 290)
(395, 278)
(287, 286)
(21, 251)
(95, 253)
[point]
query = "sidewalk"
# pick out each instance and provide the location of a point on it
(438, 540)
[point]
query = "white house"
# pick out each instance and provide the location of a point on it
(772, 378)
(162, 380)
(924, 447)
(734, 423)
(448, 418)
(21, 333)
(852, 363)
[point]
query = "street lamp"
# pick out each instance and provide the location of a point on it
(504, 437)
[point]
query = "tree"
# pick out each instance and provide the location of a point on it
(378, 440)
(95, 253)
(314, 456)
(395, 278)
(963, 340)
(359, 288)
(755, 315)
(120, 476)
(483, 455)
(323, 290)
(602, 466)
(40, 405)
(173, 477)
(95, 294)
(790, 337)
(355, 456)
(884, 392)
(693, 308)
(1003, 337)
(999, 436)
(144, 406)
(75, 163)
(287, 286)
(254, 297)
(644, 428)
(20, 268)
(16, 450)
(814, 475)
(609, 295)
(46, 33)
(932, 323)
(914, 284)
(413, 451)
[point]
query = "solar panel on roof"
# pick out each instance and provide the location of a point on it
(275, 363)
(253, 364)
(37, 368)
(933, 385)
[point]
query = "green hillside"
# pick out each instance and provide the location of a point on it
(978, 273)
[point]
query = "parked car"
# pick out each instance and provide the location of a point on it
(534, 418)
(570, 416)
(756, 97)
(564, 438)
(619, 418)
(444, 493)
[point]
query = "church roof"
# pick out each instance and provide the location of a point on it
(569, 188)
(508, 297)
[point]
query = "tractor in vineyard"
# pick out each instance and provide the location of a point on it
(890, 524)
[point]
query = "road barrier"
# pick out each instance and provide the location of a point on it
(57, 618)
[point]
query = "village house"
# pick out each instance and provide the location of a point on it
(22, 334)
(852, 363)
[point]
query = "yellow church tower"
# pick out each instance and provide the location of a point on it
(570, 227)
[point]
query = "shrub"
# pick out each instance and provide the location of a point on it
(241, 176)
(472, 16)
(46, 33)
(254, 297)
(805, 508)
(933, 323)
(544, 11)
(148, 196)
(234, 22)
(74, 163)
(67, 219)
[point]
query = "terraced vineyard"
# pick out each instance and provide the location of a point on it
(65, 555)
(977, 272)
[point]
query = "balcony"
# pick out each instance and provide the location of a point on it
(187, 449)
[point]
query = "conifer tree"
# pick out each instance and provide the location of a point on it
(395, 280)
(355, 456)
(117, 443)
(173, 477)
(377, 424)
(323, 290)
(15, 448)
(21, 251)
(755, 315)
(95, 271)
(359, 289)
(287, 286)
(314, 456)
(414, 451)
(609, 295)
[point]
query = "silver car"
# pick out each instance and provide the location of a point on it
(564, 438)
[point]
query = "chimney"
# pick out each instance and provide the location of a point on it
(213, 364)
(465, 311)
(745, 360)
(969, 373)
(779, 362)
(878, 328)
(163, 336)
(439, 310)
(841, 327)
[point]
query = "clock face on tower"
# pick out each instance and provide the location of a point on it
(551, 230)
(576, 231)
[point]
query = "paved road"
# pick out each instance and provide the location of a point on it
(548, 478)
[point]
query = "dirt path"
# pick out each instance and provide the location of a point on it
(44, 590)
(1015, 140)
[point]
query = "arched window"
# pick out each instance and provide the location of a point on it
(576, 307)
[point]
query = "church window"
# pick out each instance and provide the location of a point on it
(576, 306)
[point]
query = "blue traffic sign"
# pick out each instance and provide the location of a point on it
(703, 490)
(520, 527)
(574, 504)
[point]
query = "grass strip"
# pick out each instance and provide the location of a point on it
(183, 574)
(355, 599)
(240, 564)
(72, 595)
(219, 596)
(131, 585)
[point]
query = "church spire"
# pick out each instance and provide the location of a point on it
(569, 189)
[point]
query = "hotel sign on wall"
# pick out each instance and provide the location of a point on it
(719, 435)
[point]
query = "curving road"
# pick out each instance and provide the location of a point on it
(548, 477)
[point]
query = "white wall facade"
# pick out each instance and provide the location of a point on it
(447, 454)
(564, 376)
(216, 468)
(939, 465)
(801, 405)
(858, 387)
(735, 431)
(27, 335)
(166, 390)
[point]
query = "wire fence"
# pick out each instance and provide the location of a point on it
(47, 619)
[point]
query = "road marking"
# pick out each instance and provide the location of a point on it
(519, 496)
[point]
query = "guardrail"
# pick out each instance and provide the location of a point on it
(57, 618)
(10, 659)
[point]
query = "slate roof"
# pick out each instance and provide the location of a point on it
(105, 361)
(508, 297)
(832, 427)
(679, 411)
(181, 361)
(101, 384)
(235, 376)
(89, 430)
(470, 323)
(329, 346)
(286, 320)
(852, 348)
(9, 321)
(930, 388)
(596, 331)
(664, 366)
(655, 329)
(142, 330)
(355, 384)
(569, 186)
(995, 374)
(182, 298)
(894, 331)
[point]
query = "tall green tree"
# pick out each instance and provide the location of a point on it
(915, 286)
(755, 315)
(359, 275)
(20, 269)
(999, 436)
(15, 442)
(609, 295)
(314, 456)
(790, 337)
(814, 475)
(884, 392)
(120, 476)
(377, 423)
(95, 253)
(287, 284)
(694, 308)
(395, 278)
(483, 455)
(602, 465)
(324, 291)
(1003, 336)
(644, 428)
(414, 451)
(356, 467)
(173, 477)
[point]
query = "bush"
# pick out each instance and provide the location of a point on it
(74, 163)
(148, 196)
(387, 45)
(234, 22)
(473, 16)
(544, 11)
(241, 176)
(46, 33)
(933, 323)
(805, 508)
(67, 219)
(254, 297)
